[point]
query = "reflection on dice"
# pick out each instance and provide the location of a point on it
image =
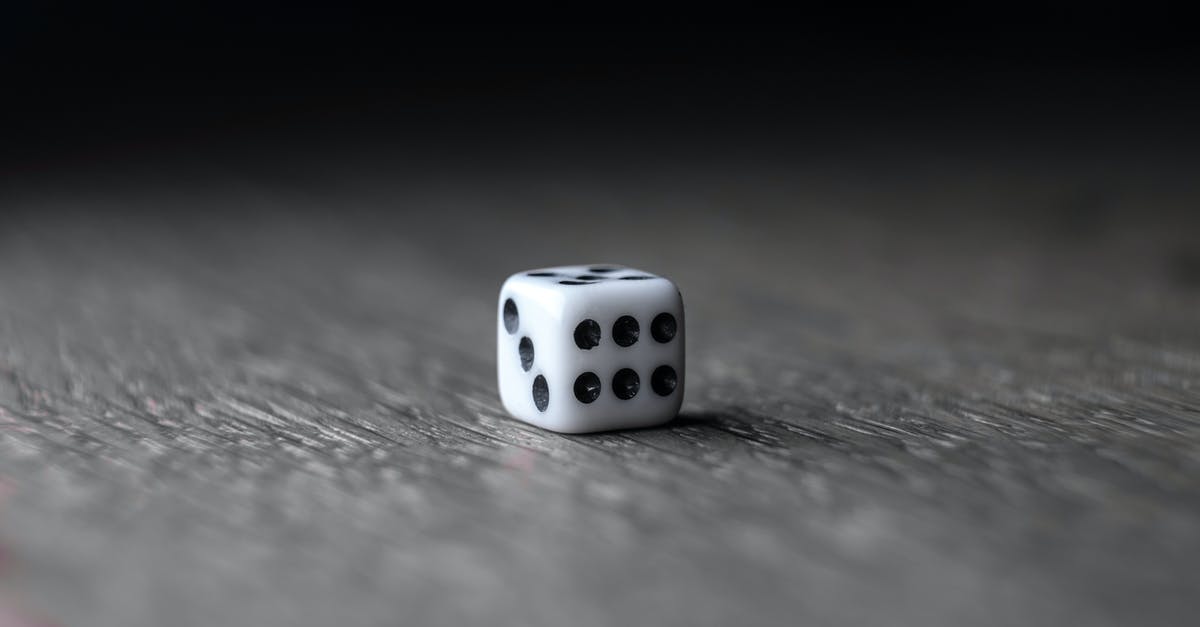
(590, 348)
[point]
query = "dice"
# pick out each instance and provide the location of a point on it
(590, 348)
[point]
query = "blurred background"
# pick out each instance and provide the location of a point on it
(309, 87)
(941, 269)
(1081, 107)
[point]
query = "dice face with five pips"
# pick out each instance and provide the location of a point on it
(590, 348)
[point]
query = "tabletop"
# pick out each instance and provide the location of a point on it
(941, 387)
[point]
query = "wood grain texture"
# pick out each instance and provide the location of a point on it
(938, 394)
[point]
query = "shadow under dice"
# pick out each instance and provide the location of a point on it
(590, 348)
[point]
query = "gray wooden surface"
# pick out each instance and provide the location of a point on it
(920, 391)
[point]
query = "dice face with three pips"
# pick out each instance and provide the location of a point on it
(590, 348)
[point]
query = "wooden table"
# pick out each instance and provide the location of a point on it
(951, 389)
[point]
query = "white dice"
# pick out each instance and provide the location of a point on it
(590, 348)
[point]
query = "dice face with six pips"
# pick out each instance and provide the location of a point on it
(590, 348)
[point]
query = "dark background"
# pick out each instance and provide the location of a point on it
(90, 87)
